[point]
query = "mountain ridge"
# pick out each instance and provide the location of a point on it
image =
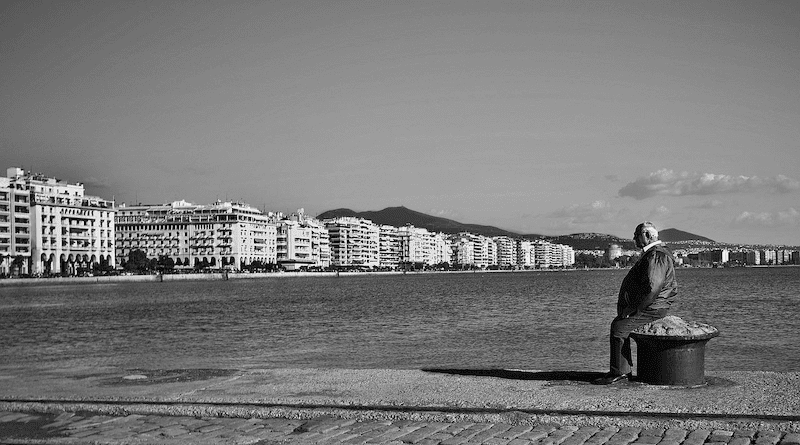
(400, 216)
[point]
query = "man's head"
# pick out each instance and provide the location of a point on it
(645, 234)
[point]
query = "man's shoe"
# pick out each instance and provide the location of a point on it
(611, 378)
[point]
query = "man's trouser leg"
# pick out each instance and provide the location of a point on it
(621, 360)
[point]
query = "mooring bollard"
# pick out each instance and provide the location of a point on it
(671, 351)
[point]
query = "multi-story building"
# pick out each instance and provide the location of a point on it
(768, 257)
(302, 242)
(219, 235)
(506, 251)
(462, 251)
(389, 247)
(413, 249)
(482, 251)
(441, 249)
(49, 226)
(553, 255)
(783, 256)
(419, 246)
(294, 245)
(355, 242)
(525, 255)
(715, 256)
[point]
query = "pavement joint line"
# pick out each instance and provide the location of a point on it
(406, 408)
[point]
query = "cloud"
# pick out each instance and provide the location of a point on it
(780, 218)
(445, 213)
(669, 183)
(578, 214)
(659, 212)
(711, 204)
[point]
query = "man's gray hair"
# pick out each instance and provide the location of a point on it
(650, 228)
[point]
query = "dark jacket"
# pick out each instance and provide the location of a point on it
(650, 284)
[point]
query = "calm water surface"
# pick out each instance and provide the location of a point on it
(526, 320)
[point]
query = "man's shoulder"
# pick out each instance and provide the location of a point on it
(661, 251)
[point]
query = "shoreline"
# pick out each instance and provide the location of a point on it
(218, 276)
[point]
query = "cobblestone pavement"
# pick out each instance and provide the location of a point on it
(90, 428)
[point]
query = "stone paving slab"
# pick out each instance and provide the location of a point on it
(71, 428)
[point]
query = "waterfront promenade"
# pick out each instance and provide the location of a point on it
(435, 406)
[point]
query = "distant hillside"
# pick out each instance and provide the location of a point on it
(675, 235)
(400, 216)
(591, 241)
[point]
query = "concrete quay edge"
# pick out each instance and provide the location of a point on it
(730, 401)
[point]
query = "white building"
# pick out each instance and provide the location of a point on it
(525, 254)
(548, 255)
(506, 251)
(302, 242)
(49, 226)
(355, 242)
(419, 246)
(389, 247)
(219, 235)
(462, 251)
(482, 250)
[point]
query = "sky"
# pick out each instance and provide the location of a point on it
(546, 117)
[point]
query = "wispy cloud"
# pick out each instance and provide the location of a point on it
(445, 213)
(669, 183)
(781, 218)
(659, 212)
(579, 214)
(711, 204)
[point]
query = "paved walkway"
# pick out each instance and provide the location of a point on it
(77, 428)
(80, 405)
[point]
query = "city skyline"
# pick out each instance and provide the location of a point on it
(535, 117)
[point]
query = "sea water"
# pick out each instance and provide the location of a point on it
(557, 320)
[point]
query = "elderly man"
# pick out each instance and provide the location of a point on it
(645, 295)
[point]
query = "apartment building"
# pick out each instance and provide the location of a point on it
(219, 235)
(525, 255)
(389, 247)
(303, 242)
(420, 246)
(506, 251)
(462, 251)
(49, 226)
(354, 242)
(548, 255)
(468, 249)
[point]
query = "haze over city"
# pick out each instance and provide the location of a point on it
(536, 117)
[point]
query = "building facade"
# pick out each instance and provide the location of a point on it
(303, 242)
(49, 226)
(389, 247)
(220, 235)
(354, 242)
(549, 255)
(506, 251)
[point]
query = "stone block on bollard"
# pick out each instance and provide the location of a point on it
(671, 351)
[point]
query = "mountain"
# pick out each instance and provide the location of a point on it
(675, 235)
(400, 216)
